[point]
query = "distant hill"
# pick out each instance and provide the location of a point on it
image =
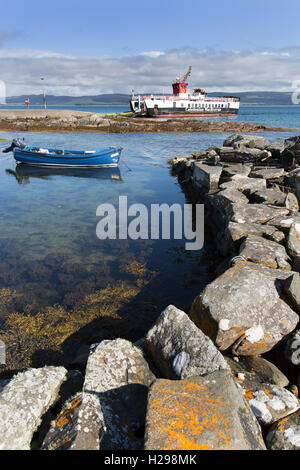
(52, 100)
(247, 98)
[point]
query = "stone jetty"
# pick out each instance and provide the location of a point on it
(51, 120)
(197, 380)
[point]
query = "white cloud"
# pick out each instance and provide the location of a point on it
(151, 71)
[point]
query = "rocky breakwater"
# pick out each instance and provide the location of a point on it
(52, 120)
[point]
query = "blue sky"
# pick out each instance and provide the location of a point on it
(95, 46)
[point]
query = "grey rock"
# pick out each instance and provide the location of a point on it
(251, 141)
(270, 403)
(292, 289)
(278, 275)
(291, 202)
(266, 252)
(235, 233)
(200, 413)
(255, 213)
(293, 181)
(116, 384)
(230, 195)
(205, 177)
(23, 402)
(284, 223)
(267, 173)
(243, 183)
(267, 196)
(242, 310)
(292, 349)
(293, 243)
(179, 349)
(277, 146)
(233, 169)
(285, 433)
(250, 371)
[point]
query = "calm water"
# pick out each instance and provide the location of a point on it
(49, 252)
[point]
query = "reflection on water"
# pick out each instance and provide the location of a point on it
(23, 173)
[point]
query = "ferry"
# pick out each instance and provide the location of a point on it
(184, 104)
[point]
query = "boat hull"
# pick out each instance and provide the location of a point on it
(177, 113)
(70, 159)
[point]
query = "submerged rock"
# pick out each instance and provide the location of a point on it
(242, 310)
(285, 434)
(200, 413)
(179, 349)
(23, 401)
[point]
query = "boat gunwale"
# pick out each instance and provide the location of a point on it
(67, 155)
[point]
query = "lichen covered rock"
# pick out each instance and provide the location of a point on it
(23, 401)
(285, 433)
(111, 412)
(179, 349)
(266, 252)
(270, 403)
(200, 413)
(242, 310)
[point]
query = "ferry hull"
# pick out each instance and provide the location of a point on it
(167, 112)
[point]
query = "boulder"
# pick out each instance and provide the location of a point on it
(284, 223)
(200, 413)
(267, 196)
(294, 182)
(292, 349)
(266, 252)
(255, 213)
(233, 169)
(277, 275)
(250, 371)
(267, 173)
(285, 433)
(24, 400)
(293, 244)
(292, 289)
(179, 349)
(242, 310)
(250, 141)
(205, 177)
(110, 412)
(270, 403)
(225, 196)
(235, 233)
(243, 183)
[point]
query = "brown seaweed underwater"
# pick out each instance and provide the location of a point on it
(50, 307)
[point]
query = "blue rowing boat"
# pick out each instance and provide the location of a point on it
(37, 156)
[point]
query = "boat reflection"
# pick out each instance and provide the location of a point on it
(23, 173)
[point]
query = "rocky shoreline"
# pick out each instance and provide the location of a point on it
(196, 380)
(51, 120)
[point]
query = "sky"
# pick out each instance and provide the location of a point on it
(92, 47)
